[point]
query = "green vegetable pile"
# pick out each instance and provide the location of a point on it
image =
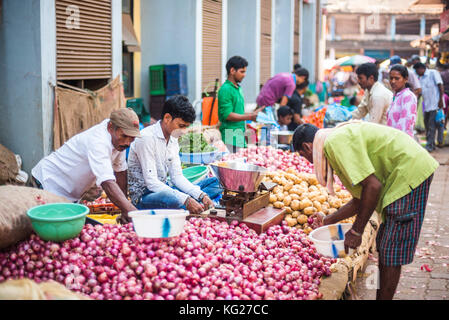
(194, 143)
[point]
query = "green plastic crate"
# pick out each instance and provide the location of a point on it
(136, 104)
(157, 86)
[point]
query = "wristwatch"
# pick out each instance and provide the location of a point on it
(355, 232)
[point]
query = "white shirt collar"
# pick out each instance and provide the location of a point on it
(160, 133)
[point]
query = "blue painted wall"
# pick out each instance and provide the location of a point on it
(21, 125)
(168, 37)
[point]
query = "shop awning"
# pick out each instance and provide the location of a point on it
(129, 35)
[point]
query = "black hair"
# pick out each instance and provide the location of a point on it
(236, 62)
(302, 72)
(401, 69)
(178, 106)
(296, 66)
(284, 111)
(303, 85)
(352, 100)
(419, 65)
(368, 69)
(303, 133)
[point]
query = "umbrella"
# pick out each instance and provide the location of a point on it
(354, 60)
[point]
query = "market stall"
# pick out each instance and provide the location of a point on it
(254, 245)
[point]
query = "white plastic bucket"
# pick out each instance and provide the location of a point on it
(322, 239)
(160, 223)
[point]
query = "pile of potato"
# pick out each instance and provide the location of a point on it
(302, 196)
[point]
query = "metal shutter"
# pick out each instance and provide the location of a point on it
(84, 49)
(212, 34)
(265, 41)
(296, 7)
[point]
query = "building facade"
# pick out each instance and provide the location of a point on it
(87, 43)
(378, 29)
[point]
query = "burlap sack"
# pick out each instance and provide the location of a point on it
(14, 203)
(27, 289)
(9, 168)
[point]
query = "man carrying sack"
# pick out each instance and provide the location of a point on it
(385, 170)
(95, 156)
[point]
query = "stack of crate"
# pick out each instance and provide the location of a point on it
(166, 81)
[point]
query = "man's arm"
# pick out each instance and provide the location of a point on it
(440, 102)
(116, 195)
(122, 180)
(379, 106)
(297, 118)
(284, 101)
(362, 109)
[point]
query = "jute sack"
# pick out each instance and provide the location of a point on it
(27, 289)
(9, 168)
(14, 203)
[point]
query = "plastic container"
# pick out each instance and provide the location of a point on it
(176, 79)
(157, 86)
(163, 223)
(194, 174)
(135, 104)
(58, 221)
(327, 247)
(201, 157)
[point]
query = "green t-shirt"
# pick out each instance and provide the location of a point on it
(230, 99)
(358, 150)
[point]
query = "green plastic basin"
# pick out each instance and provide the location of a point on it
(58, 221)
(194, 173)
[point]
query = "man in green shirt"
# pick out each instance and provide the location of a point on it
(385, 170)
(231, 105)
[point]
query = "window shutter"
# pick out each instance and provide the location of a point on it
(265, 41)
(212, 34)
(83, 39)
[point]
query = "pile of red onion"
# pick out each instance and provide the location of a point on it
(273, 159)
(209, 260)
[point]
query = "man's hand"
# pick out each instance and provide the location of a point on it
(440, 104)
(124, 218)
(352, 241)
(253, 115)
(193, 206)
(207, 202)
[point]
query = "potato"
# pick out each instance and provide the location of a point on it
(288, 210)
(278, 189)
(305, 203)
(294, 196)
(309, 211)
(295, 214)
(286, 193)
(336, 203)
(317, 205)
(304, 185)
(337, 187)
(278, 205)
(321, 198)
(277, 179)
(312, 180)
(295, 205)
(287, 200)
(308, 230)
(298, 226)
(302, 218)
(291, 222)
(332, 210)
(288, 186)
(273, 198)
(280, 196)
(313, 189)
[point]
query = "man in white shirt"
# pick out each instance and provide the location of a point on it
(377, 98)
(432, 93)
(95, 156)
(155, 156)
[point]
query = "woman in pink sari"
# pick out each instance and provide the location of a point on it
(402, 112)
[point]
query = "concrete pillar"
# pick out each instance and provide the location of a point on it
(244, 40)
(393, 27)
(422, 26)
(117, 48)
(332, 28)
(283, 36)
(27, 57)
(308, 43)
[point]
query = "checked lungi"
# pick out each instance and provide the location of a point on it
(398, 236)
